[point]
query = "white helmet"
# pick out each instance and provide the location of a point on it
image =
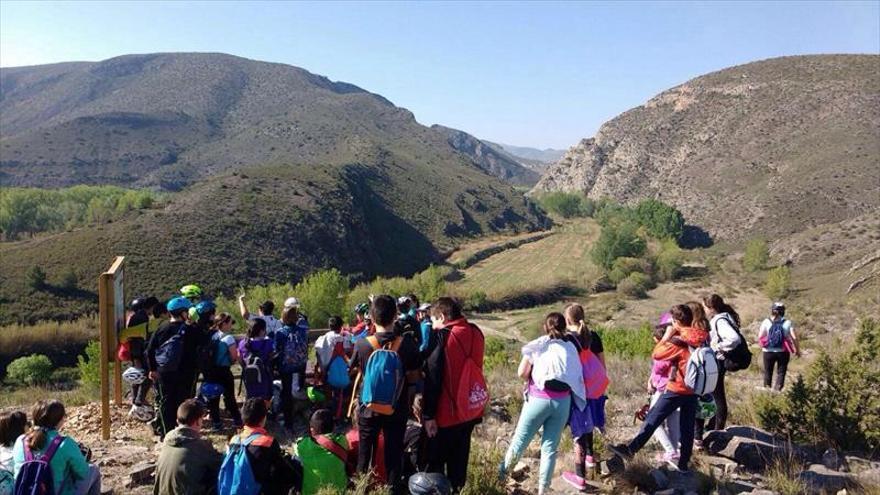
(143, 413)
(291, 302)
(134, 376)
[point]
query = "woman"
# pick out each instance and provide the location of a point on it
(71, 472)
(225, 357)
(553, 374)
(778, 341)
(292, 348)
(724, 336)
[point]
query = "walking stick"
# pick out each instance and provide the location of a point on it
(353, 394)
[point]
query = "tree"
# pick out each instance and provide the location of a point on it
(69, 281)
(778, 284)
(323, 295)
(35, 369)
(756, 256)
(36, 278)
(616, 241)
(661, 220)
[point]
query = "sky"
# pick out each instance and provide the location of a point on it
(541, 74)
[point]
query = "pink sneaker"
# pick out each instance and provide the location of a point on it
(589, 462)
(574, 480)
(669, 458)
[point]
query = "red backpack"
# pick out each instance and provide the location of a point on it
(463, 380)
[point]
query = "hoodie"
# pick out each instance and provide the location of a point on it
(188, 464)
(677, 351)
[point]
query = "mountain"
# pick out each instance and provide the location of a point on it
(279, 171)
(547, 155)
(494, 161)
(767, 148)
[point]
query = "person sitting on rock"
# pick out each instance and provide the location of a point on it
(188, 464)
(323, 455)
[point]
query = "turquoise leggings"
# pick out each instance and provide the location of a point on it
(552, 415)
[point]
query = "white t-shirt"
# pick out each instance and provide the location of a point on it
(765, 330)
(272, 324)
(722, 334)
(5, 458)
(325, 344)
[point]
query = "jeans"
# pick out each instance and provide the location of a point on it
(666, 405)
(780, 361)
(223, 376)
(449, 451)
(172, 389)
(552, 415)
(668, 433)
(286, 394)
(394, 429)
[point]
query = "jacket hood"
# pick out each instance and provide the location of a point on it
(181, 436)
(693, 336)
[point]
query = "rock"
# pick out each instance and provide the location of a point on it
(668, 491)
(520, 471)
(613, 465)
(763, 492)
(842, 492)
(753, 448)
(723, 465)
(739, 486)
(856, 464)
(869, 477)
(141, 473)
(820, 479)
(661, 481)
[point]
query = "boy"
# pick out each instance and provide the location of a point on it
(188, 464)
(323, 455)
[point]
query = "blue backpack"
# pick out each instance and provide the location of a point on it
(35, 476)
(236, 476)
(383, 377)
(337, 370)
(776, 334)
(222, 359)
(170, 354)
(294, 348)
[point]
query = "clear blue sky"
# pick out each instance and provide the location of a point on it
(536, 74)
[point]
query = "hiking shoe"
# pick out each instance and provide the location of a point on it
(622, 451)
(589, 462)
(574, 480)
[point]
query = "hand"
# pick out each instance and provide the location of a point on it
(650, 389)
(670, 331)
(241, 296)
(154, 376)
(431, 428)
(417, 407)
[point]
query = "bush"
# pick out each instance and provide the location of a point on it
(661, 220)
(65, 376)
(428, 285)
(756, 256)
(322, 294)
(35, 369)
(634, 342)
(567, 205)
(69, 281)
(475, 300)
(89, 365)
(778, 284)
(636, 285)
(669, 262)
(623, 267)
(36, 278)
(837, 403)
(496, 355)
(617, 241)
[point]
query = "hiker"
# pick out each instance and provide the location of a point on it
(423, 316)
(583, 422)
(406, 322)
(728, 343)
(133, 339)
(188, 464)
(226, 355)
(261, 460)
(668, 433)
(363, 322)
(70, 470)
(553, 373)
(323, 455)
(170, 354)
(12, 425)
(292, 351)
(255, 352)
(388, 366)
(332, 367)
(265, 309)
(455, 391)
(675, 347)
(778, 342)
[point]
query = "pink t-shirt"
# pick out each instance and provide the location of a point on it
(534, 391)
(660, 374)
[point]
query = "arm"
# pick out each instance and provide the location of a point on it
(434, 368)
(525, 368)
(762, 331)
(76, 462)
(242, 308)
(233, 353)
(792, 338)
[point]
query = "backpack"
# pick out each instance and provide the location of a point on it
(206, 354)
(236, 475)
(701, 372)
(740, 357)
(295, 352)
(222, 359)
(337, 370)
(470, 395)
(170, 354)
(35, 476)
(123, 352)
(776, 334)
(334, 448)
(253, 374)
(383, 377)
(7, 482)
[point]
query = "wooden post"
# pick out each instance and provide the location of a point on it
(111, 311)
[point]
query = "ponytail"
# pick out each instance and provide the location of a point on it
(554, 326)
(717, 304)
(47, 415)
(574, 315)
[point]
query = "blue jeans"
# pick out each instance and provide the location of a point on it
(552, 415)
(667, 404)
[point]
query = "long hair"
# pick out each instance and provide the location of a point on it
(574, 315)
(717, 304)
(554, 325)
(47, 415)
(699, 316)
(12, 425)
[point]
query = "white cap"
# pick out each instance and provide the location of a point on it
(291, 302)
(424, 307)
(403, 299)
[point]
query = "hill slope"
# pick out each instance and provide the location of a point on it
(771, 147)
(494, 161)
(533, 158)
(282, 172)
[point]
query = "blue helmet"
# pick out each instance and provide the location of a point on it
(178, 303)
(210, 390)
(205, 307)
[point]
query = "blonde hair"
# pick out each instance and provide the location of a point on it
(575, 315)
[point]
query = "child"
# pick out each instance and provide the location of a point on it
(323, 455)
(256, 353)
(12, 425)
(668, 433)
(332, 345)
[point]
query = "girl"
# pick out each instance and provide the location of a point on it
(71, 472)
(257, 352)
(583, 421)
(724, 336)
(668, 434)
(226, 356)
(12, 425)
(552, 370)
(778, 353)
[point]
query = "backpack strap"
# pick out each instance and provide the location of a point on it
(395, 344)
(374, 342)
(332, 447)
(48, 454)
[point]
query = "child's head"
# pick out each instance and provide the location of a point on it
(383, 310)
(257, 329)
(191, 413)
(554, 325)
(12, 425)
(682, 315)
(335, 323)
(48, 415)
(267, 308)
(254, 412)
(659, 332)
(321, 422)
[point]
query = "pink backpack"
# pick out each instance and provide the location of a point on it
(595, 377)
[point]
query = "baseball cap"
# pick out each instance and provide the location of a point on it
(665, 320)
(424, 307)
(291, 302)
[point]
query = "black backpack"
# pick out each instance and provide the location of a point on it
(206, 353)
(169, 354)
(740, 357)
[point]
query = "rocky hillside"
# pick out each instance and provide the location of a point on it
(533, 158)
(767, 148)
(493, 160)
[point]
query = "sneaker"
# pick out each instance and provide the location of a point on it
(574, 480)
(622, 451)
(589, 462)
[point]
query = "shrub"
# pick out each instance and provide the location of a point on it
(778, 284)
(35, 369)
(89, 365)
(475, 300)
(756, 256)
(669, 261)
(837, 403)
(65, 376)
(617, 241)
(636, 285)
(661, 220)
(36, 278)
(69, 281)
(628, 342)
(496, 355)
(322, 294)
(622, 267)
(567, 205)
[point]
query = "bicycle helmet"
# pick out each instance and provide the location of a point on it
(211, 390)
(143, 413)
(191, 291)
(315, 395)
(137, 303)
(178, 303)
(429, 484)
(362, 308)
(706, 407)
(205, 307)
(134, 376)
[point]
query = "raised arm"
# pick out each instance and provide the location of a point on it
(242, 308)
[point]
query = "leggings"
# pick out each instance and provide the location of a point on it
(780, 361)
(551, 415)
(583, 447)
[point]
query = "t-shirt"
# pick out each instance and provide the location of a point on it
(320, 466)
(223, 342)
(765, 331)
(326, 343)
(409, 357)
(68, 464)
(272, 324)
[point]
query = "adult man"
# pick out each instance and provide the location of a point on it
(456, 348)
(188, 464)
(266, 309)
